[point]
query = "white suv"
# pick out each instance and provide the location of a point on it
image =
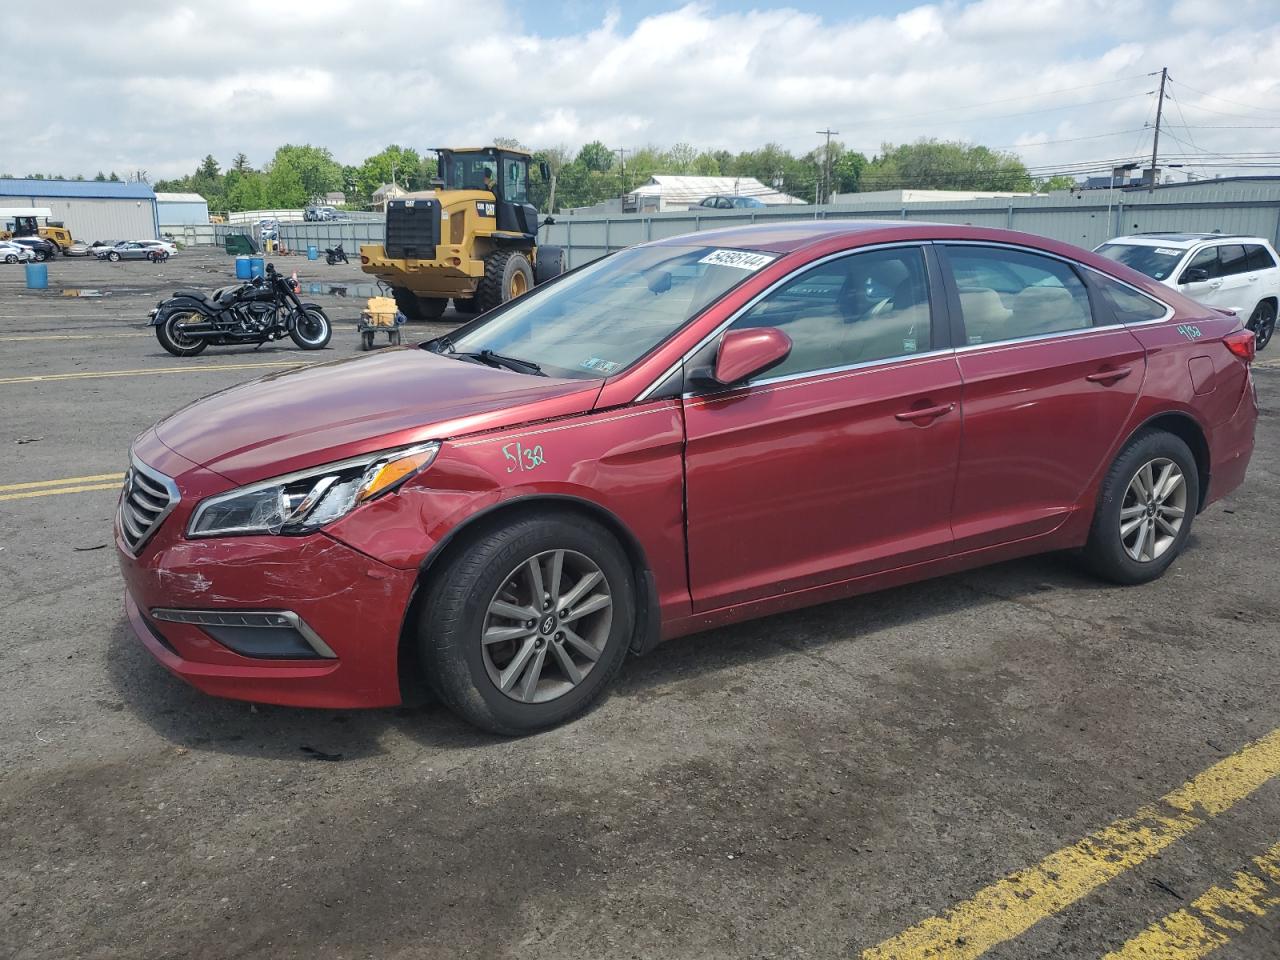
(1236, 273)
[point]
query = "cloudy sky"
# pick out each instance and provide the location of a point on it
(156, 86)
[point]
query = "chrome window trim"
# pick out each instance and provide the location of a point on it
(737, 314)
(1168, 310)
(884, 361)
(170, 488)
(221, 618)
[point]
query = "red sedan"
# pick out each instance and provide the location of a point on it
(685, 434)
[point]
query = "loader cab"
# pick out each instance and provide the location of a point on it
(508, 171)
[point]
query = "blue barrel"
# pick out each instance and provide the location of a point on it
(37, 276)
(313, 252)
(257, 266)
(242, 268)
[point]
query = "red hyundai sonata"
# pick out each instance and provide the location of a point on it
(685, 434)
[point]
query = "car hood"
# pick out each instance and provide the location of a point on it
(304, 417)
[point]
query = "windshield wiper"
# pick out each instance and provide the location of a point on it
(488, 357)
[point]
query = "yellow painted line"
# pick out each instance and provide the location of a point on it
(1211, 919)
(33, 484)
(1011, 906)
(69, 336)
(50, 491)
(153, 372)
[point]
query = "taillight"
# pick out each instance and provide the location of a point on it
(1243, 344)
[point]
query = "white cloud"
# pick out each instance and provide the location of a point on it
(158, 86)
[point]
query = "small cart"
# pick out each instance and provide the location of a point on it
(380, 316)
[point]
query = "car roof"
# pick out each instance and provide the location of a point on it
(1182, 241)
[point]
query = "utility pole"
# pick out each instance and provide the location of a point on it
(622, 157)
(1155, 144)
(826, 164)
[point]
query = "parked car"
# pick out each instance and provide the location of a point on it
(729, 202)
(11, 252)
(688, 433)
(323, 213)
(167, 246)
(77, 249)
(132, 250)
(1234, 272)
(40, 248)
(102, 246)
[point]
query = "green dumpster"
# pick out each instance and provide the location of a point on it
(238, 244)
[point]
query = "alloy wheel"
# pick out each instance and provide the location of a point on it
(547, 625)
(1263, 324)
(1154, 507)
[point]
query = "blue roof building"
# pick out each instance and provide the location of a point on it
(90, 209)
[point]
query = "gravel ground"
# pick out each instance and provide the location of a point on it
(802, 786)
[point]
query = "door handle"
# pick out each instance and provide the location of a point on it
(925, 413)
(1109, 376)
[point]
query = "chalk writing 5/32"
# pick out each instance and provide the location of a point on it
(520, 457)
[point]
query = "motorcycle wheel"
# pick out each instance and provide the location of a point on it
(311, 329)
(174, 340)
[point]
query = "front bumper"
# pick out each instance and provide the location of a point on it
(353, 605)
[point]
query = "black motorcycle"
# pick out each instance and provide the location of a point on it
(264, 309)
(335, 255)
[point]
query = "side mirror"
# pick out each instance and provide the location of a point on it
(544, 168)
(1194, 275)
(745, 353)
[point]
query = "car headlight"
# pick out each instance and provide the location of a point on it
(305, 501)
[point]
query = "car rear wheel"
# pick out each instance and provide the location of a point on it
(1145, 510)
(113, 256)
(525, 627)
(1263, 323)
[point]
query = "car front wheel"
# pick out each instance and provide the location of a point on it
(1143, 518)
(527, 625)
(113, 256)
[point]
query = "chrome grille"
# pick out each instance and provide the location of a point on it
(148, 497)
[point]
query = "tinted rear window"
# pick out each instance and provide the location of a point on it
(1128, 304)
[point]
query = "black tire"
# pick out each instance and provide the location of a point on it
(468, 305)
(311, 329)
(1263, 324)
(419, 309)
(451, 620)
(113, 256)
(40, 256)
(1105, 553)
(173, 340)
(366, 340)
(503, 271)
(329, 259)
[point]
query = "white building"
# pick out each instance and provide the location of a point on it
(674, 192)
(924, 196)
(181, 209)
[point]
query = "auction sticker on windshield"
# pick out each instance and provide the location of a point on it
(741, 259)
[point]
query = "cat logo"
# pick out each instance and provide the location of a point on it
(486, 208)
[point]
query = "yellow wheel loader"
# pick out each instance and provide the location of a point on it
(25, 222)
(473, 239)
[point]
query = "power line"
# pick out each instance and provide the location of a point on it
(1223, 99)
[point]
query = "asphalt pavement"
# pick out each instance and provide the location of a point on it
(1015, 762)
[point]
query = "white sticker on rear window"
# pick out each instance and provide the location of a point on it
(1168, 251)
(741, 259)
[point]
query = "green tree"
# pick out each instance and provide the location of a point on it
(241, 163)
(1058, 182)
(208, 168)
(403, 162)
(249, 192)
(313, 167)
(595, 157)
(945, 165)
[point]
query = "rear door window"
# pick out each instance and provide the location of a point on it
(1127, 304)
(1008, 294)
(1233, 260)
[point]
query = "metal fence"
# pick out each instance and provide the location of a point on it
(1085, 219)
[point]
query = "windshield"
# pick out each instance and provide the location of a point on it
(466, 171)
(602, 318)
(1156, 262)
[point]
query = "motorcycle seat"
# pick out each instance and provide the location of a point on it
(193, 294)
